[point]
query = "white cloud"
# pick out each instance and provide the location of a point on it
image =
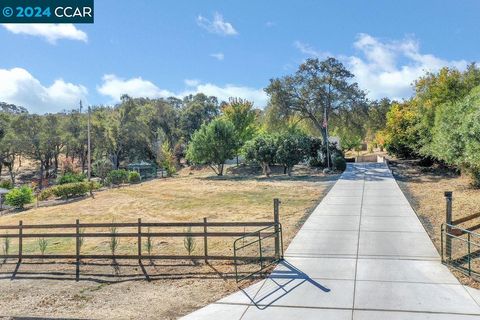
(219, 56)
(258, 96)
(192, 82)
(50, 32)
(21, 88)
(217, 25)
(389, 68)
(114, 87)
(308, 50)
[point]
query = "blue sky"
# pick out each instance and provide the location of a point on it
(230, 48)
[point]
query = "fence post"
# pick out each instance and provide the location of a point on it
(469, 258)
(20, 240)
(276, 221)
(77, 246)
(448, 219)
(205, 239)
(139, 240)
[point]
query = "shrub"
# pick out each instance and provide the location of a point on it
(101, 168)
(113, 240)
(45, 194)
(117, 177)
(339, 162)
(6, 184)
(42, 245)
(189, 242)
(19, 197)
(70, 190)
(133, 177)
(70, 177)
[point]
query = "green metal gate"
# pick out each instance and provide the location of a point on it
(264, 247)
(460, 249)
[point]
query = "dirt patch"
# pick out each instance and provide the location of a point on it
(425, 187)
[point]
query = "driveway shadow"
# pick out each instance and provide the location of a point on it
(281, 283)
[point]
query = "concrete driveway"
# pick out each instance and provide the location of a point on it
(364, 255)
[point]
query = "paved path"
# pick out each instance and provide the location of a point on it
(364, 255)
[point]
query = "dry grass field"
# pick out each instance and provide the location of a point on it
(425, 186)
(45, 289)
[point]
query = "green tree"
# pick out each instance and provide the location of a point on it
(167, 159)
(35, 140)
(400, 134)
(456, 134)
(434, 89)
(262, 149)
(213, 144)
(291, 149)
(198, 109)
(242, 115)
(316, 89)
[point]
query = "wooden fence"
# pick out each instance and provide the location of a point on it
(80, 231)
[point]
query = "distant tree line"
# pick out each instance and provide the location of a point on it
(320, 96)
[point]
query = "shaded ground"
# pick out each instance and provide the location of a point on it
(425, 187)
(107, 291)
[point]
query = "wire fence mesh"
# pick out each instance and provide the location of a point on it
(461, 250)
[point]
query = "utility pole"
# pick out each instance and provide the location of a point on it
(325, 125)
(89, 158)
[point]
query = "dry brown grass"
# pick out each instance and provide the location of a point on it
(425, 187)
(175, 289)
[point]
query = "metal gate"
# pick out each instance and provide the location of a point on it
(263, 246)
(461, 249)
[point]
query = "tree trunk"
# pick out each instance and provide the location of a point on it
(10, 170)
(56, 164)
(284, 169)
(289, 171)
(40, 186)
(220, 169)
(47, 168)
(266, 169)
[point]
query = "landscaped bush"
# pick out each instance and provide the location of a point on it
(45, 194)
(6, 184)
(70, 177)
(133, 177)
(117, 177)
(339, 162)
(19, 197)
(70, 190)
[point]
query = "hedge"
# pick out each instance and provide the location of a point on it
(75, 189)
(71, 178)
(117, 177)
